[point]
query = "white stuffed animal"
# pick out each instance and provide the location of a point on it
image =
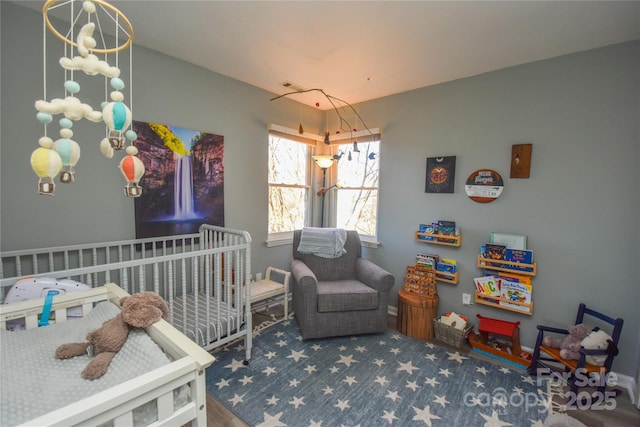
(596, 340)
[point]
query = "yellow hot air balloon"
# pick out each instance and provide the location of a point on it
(46, 163)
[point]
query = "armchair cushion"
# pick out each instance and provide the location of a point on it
(346, 295)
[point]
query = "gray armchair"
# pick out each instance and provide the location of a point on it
(341, 296)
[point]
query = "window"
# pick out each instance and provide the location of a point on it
(289, 184)
(357, 197)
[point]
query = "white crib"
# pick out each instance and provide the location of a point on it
(116, 405)
(196, 274)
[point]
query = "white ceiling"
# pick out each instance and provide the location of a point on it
(363, 50)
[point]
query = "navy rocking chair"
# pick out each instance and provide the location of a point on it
(579, 372)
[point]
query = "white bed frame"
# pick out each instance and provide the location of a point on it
(199, 265)
(188, 365)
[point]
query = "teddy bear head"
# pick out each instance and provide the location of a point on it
(579, 331)
(143, 309)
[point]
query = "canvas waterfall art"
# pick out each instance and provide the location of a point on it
(184, 180)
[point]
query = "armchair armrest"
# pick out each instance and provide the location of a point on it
(373, 275)
(304, 277)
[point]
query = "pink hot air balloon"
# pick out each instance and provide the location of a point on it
(132, 169)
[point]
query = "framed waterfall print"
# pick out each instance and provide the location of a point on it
(441, 172)
(183, 185)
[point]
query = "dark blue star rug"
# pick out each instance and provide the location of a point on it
(369, 380)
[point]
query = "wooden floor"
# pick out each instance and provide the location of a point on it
(624, 415)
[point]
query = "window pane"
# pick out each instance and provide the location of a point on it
(361, 170)
(287, 161)
(287, 208)
(358, 210)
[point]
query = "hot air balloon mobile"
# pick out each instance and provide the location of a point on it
(46, 163)
(132, 169)
(68, 150)
(116, 115)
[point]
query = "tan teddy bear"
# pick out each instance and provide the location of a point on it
(138, 311)
(569, 345)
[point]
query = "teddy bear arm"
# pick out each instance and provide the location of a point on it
(550, 341)
(67, 351)
(98, 366)
(569, 355)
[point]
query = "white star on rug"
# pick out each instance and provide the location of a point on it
(412, 385)
(431, 357)
(429, 345)
(327, 390)
(505, 370)
(342, 404)
(334, 369)
(381, 380)
(270, 355)
(297, 402)
(493, 420)
(281, 343)
(347, 360)
(223, 383)
(536, 423)
(379, 362)
(446, 372)
(431, 381)
(297, 355)
(350, 380)
(269, 370)
(478, 383)
(517, 390)
(408, 367)
(456, 356)
(279, 334)
(441, 400)
(528, 380)
(393, 395)
(394, 351)
(424, 415)
(396, 336)
(235, 365)
(342, 348)
(272, 420)
(381, 342)
(236, 399)
(311, 368)
(499, 401)
(294, 383)
(313, 423)
(245, 380)
(273, 400)
(361, 349)
(316, 347)
(389, 416)
(481, 370)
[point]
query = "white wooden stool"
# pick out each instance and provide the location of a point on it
(266, 288)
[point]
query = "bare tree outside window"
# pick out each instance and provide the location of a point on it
(357, 199)
(288, 177)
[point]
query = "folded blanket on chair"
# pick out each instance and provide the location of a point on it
(323, 242)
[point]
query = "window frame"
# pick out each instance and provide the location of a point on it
(310, 140)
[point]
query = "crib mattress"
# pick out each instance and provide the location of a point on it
(193, 322)
(34, 382)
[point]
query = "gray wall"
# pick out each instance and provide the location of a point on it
(580, 208)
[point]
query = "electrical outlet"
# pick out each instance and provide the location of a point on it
(466, 299)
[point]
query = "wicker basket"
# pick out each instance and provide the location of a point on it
(420, 281)
(450, 335)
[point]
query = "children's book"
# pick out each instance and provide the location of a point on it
(512, 241)
(514, 291)
(520, 255)
(487, 285)
(425, 228)
(494, 251)
(514, 277)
